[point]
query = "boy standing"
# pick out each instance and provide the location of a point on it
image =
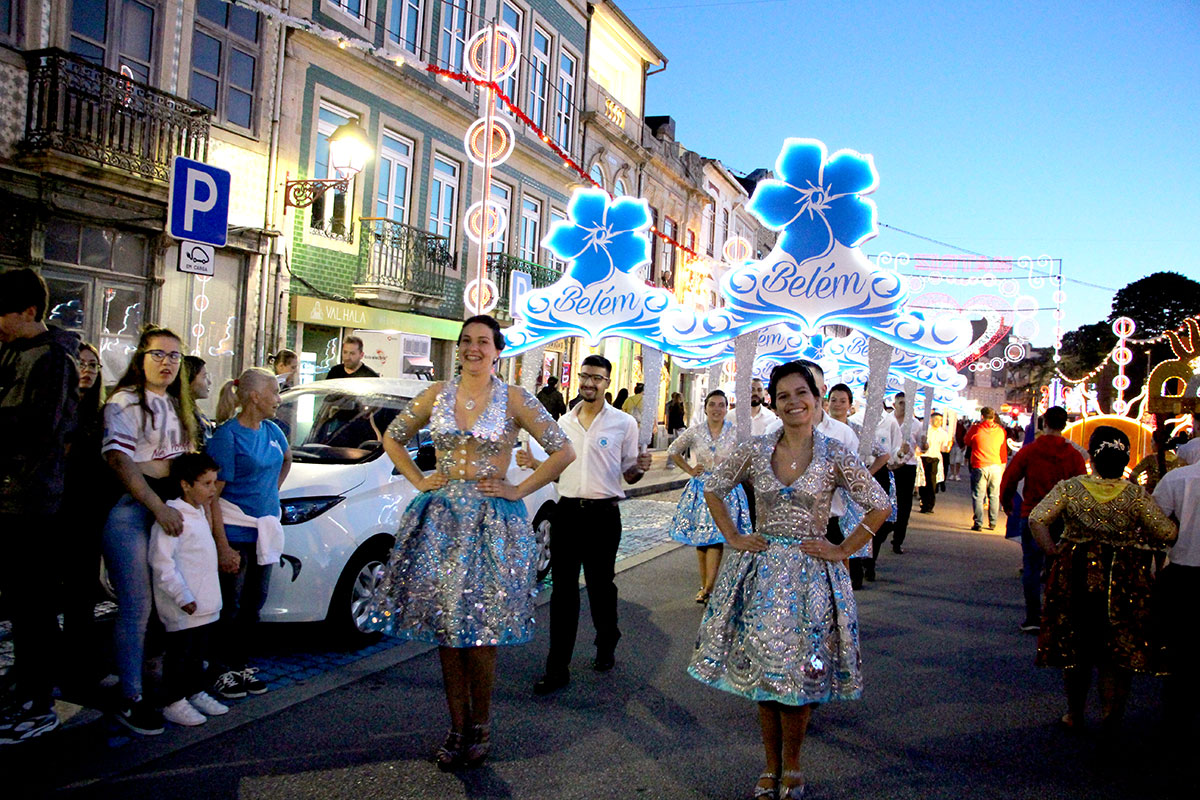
(187, 591)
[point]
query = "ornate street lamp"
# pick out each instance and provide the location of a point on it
(349, 152)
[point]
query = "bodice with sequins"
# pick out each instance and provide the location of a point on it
(707, 451)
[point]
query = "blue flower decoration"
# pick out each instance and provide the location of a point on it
(601, 235)
(816, 200)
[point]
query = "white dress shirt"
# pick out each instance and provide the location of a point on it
(1178, 494)
(764, 421)
(938, 440)
(841, 432)
(603, 453)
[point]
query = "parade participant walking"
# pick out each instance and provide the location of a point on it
(710, 442)
(552, 398)
(587, 525)
(862, 563)
(903, 465)
(935, 442)
(187, 593)
(781, 628)
(39, 394)
(253, 460)
(1097, 610)
(352, 365)
(148, 421)
(1042, 464)
(462, 572)
(988, 443)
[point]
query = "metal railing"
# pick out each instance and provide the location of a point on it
(502, 265)
(85, 110)
(404, 258)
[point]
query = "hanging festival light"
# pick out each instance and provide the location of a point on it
(1123, 327)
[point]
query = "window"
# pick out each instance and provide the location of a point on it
(395, 167)
(502, 195)
(8, 20)
(556, 216)
(539, 77)
(331, 212)
(564, 113)
(404, 24)
(513, 18)
(710, 216)
(443, 197)
(652, 267)
(596, 173)
(453, 42)
(116, 34)
(353, 8)
(671, 230)
(724, 226)
(225, 48)
(531, 218)
(619, 188)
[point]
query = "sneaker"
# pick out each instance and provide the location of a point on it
(140, 717)
(181, 712)
(976, 527)
(207, 705)
(23, 722)
(1029, 626)
(252, 684)
(229, 686)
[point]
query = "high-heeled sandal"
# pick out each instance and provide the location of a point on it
(479, 744)
(450, 754)
(796, 790)
(702, 597)
(771, 792)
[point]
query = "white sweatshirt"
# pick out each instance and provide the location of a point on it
(185, 570)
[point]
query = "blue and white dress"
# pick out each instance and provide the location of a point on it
(693, 524)
(783, 625)
(461, 573)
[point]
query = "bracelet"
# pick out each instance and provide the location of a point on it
(866, 528)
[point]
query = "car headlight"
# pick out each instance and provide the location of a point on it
(302, 509)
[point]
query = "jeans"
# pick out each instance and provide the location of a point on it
(126, 548)
(1033, 562)
(30, 550)
(584, 535)
(986, 480)
(243, 594)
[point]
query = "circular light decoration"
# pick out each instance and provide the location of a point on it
(1124, 327)
(997, 364)
(478, 230)
(736, 249)
(1014, 352)
(1121, 383)
(475, 142)
(481, 295)
(480, 50)
(1122, 356)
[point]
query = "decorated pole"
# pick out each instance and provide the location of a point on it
(880, 358)
(744, 348)
(652, 364)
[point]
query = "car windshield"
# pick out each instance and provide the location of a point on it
(335, 426)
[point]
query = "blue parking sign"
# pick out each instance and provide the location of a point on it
(198, 209)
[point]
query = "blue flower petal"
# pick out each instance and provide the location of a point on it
(627, 215)
(852, 219)
(628, 251)
(567, 241)
(775, 203)
(587, 207)
(849, 173)
(800, 161)
(593, 268)
(808, 236)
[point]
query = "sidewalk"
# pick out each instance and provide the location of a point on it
(659, 478)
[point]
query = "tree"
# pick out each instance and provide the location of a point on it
(1158, 302)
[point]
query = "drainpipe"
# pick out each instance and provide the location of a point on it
(261, 336)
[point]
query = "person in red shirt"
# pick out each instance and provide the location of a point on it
(1047, 460)
(988, 443)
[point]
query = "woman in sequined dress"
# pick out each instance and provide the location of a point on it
(461, 575)
(781, 628)
(1097, 613)
(710, 443)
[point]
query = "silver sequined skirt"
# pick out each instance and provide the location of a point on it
(693, 523)
(461, 573)
(781, 625)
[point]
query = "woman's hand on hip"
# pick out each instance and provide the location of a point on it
(823, 549)
(431, 482)
(752, 543)
(498, 487)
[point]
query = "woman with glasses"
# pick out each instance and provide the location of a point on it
(148, 420)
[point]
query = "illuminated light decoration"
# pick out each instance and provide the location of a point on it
(1141, 436)
(1170, 380)
(493, 59)
(482, 295)
(497, 221)
(736, 249)
(500, 147)
(200, 303)
(224, 346)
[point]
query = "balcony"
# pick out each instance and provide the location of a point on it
(501, 267)
(79, 109)
(405, 268)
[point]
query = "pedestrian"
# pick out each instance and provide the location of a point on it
(762, 419)
(196, 372)
(1050, 458)
(462, 573)
(148, 421)
(710, 442)
(622, 396)
(39, 395)
(253, 460)
(781, 628)
(957, 451)
(633, 406)
(935, 442)
(352, 365)
(586, 531)
(287, 367)
(675, 415)
(988, 443)
(1097, 606)
(1151, 469)
(552, 398)
(903, 464)
(187, 593)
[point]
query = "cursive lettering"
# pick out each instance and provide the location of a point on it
(819, 282)
(603, 301)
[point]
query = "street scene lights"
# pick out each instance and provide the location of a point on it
(349, 152)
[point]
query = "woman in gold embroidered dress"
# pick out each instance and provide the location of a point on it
(461, 575)
(1096, 614)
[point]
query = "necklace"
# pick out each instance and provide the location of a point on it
(470, 403)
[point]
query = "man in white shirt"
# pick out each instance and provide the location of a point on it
(904, 471)
(587, 523)
(935, 442)
(762, 419)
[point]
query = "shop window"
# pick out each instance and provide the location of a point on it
(225, 59)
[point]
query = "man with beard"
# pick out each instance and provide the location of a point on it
(762, 419)
(352, 365)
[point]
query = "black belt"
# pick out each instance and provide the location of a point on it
(585, 502)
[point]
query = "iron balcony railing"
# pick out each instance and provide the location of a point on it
(404, 258)
(88, 111)
(501, 267)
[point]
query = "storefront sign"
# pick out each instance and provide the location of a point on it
(196, 258)
(317, 311)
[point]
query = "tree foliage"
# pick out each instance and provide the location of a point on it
(1158, 302)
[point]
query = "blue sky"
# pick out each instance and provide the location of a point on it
(1009, 129)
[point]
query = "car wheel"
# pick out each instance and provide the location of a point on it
(352, 595)
(541, 532)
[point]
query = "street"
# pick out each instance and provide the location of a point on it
(953, 707)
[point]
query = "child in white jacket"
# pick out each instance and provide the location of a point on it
(187, 592)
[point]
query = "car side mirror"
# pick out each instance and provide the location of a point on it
(426, 457)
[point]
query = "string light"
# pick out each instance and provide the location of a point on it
(1162, 337)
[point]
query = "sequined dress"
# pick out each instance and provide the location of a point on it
(692, 523)
(782, 625)
(1097, 606)
(461, 573)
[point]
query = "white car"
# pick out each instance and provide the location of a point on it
(342, 500)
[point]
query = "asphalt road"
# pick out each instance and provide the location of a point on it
(954, 708)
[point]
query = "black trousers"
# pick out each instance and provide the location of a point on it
(1176, 595)
(906, 478)
(34, 616)
(243, 594)
(585, 534)
(183, 664)
(929, 490)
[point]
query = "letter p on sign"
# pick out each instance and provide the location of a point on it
(198, 209)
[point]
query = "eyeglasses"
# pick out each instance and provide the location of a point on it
(162, 355)
(89, 366)
(585, 377)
